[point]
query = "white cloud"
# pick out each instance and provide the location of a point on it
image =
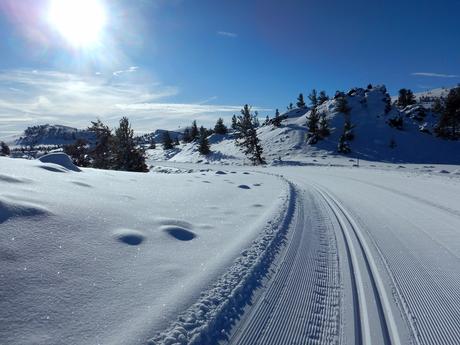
(74, 100)
(435, 75)
(129, 70)
(227, 34)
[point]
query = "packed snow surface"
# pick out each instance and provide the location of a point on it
(105, 257)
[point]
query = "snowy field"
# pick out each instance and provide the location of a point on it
(104, 257)
(192, 253)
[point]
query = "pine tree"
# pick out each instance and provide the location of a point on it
(203, 143)
(312, 125)
(342, 105)
(277, 119)
(406, 97)
(186, 138)
(4, 149)
(300, 101)
(194, 131)
(152, 144)
(234, 122)
(290, 106)
(313, 97)
(78, 152)
(438, 107)
(167, 141)
(343, 146)
(176, 141)
(220, 127)
(101, 155)
(449, 122)
(369, 86)
(246, 137)
(322, 97)
(127, 156)
(323, 129)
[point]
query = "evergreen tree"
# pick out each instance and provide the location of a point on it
(267, 121)
(4, 149)
(312, 125)
(186, 138)
(300, 101)
(153, 144)
(246, 137)
(322, 97)
(369, 86)
(277, 119)
(78, 152)
(449, 122)
(406, 97)
(438, 107)
(343, 146)
(203, 143)
(234, 122)
(101, 155)
(290, 106)
(220, 127)
(194, 131)
(341, 105)
(313, 97)
(176, 141)
(323, 130)
(127, 156)
(167, 141)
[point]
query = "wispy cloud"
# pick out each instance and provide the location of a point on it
(129, 70)
(435, 75)
(63, 98)
(227, 34)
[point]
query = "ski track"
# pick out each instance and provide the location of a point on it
(302, 302)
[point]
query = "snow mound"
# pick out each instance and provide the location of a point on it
(11, 179)
(179, 233)
(13, 209)
(130, 237)
(61, 159)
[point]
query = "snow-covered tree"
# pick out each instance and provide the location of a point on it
(246, 137)
(220, 127)
(127, 156)
(323, 130)
(203, 143)
(312, 125)
(186, 138)
(101, 154)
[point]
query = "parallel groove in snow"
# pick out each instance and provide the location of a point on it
(301, 304)
(387, 320)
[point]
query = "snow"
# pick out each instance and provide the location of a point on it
(112, 257)
(60, 159)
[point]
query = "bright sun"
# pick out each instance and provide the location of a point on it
(80, 22)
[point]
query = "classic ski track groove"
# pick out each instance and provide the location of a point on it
(385, 312)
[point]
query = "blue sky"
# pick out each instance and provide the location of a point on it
(166, 62)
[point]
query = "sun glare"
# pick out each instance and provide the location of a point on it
(80, 22)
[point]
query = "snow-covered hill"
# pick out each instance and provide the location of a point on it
(50, 135)
(374, 138)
